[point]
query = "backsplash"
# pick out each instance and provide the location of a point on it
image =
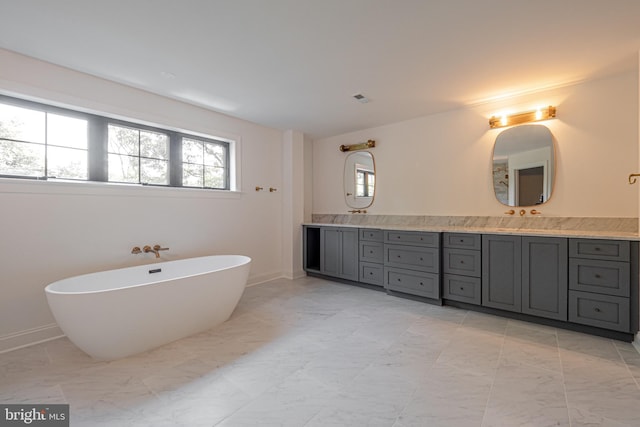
(616, 225)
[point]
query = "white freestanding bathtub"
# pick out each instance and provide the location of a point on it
(117, 313)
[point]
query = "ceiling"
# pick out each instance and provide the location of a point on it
(295, 64)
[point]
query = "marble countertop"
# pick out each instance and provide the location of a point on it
(588, 228)
(490, 230)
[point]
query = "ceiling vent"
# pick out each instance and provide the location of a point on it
(361, 98)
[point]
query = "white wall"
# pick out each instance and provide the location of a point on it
(49, 231)
(441, 164)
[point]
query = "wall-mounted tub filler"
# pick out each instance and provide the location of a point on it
(148, 249)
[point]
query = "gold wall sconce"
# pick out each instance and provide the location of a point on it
(518, 118)
(362, 146)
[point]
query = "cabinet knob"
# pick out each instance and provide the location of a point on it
(421, 284)
(597, 310)
(597, 249)
(597, 276)
(461, 262)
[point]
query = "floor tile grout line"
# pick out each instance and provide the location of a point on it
(495, 377)
(628, 368)
(564, 381)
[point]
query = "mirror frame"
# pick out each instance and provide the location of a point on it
(350, 170)
(548, 187)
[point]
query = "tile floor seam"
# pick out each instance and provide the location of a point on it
(628, 368)
(493, 382)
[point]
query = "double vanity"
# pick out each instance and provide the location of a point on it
(568, 281)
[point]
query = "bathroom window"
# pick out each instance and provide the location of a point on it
(137, 155)
(41, 144)
(40, 141)
(204, 163)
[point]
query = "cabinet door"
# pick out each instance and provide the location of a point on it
(349, 254)
(330, 251)
(339, 252)
(545, 277)
(501, 272)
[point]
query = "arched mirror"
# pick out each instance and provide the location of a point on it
(524, 165)
(359, 179)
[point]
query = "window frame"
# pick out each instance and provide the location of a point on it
(97, 147)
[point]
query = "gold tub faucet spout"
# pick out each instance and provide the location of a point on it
(156, 250)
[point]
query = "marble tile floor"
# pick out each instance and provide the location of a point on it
(310, 352)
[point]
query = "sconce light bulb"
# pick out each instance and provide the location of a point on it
(538, 114)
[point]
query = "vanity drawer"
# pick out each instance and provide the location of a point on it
(413, 238)
(461, 288)
(615, 250)
(462, 241)
(461, 261)
(412, 282)
(371, 235)
(603, 311)
(603, 277)
(412, 257)
(371, 252)
(372, 274)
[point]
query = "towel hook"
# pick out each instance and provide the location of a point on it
(632, 178)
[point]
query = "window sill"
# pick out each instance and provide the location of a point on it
(92, 188)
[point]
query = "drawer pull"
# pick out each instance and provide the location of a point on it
(597, 310)
(399, 256)
(421, 259)
(399, 280)
(461, 262)
(461, 288)
(598, 276)
(461, 241)
(371, 273)
(421, 239)
(597, 249)
(421, 284)
(370, 252)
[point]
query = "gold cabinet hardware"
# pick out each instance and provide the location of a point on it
(535, 212)
(136, 250)
(271, 189)
(632, 178)
(510, 212)
(522, 212)
(259, 188)
(358, 211)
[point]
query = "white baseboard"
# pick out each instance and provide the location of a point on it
(255, 280)
(29, 337)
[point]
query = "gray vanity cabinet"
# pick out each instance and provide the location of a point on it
(525, 275)
(412, 263)
(461, 265)
(502, 272)
(600, 284)
(544, 277)
(371, 256)
(339, 252)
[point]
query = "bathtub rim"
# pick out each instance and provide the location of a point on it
(244, 260)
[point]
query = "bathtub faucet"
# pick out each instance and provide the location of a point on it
(156, 249)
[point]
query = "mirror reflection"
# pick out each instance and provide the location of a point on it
(524, 165)
(359, 179)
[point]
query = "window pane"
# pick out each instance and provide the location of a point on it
(66, 163)
(124, 140)
(214, 155)
(66, 131)
(214, 177)
(154, 145)
(192, 175)
(21, 124)
(154, 171)
(191, 151)
(19, 158)
(123, 168)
